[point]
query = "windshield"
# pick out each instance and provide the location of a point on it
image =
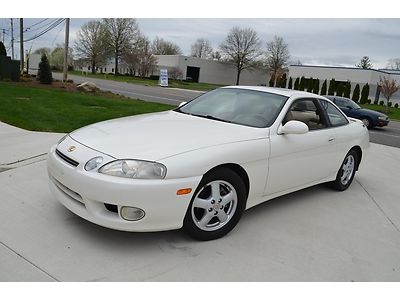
(238, 106)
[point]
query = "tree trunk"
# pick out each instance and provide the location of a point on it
(238, 76)
(93, 67)
(116, 64)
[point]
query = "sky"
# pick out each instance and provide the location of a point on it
(328, 41)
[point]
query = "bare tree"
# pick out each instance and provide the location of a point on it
(202, 49)
(216, 56)
(394, 64)
(120, 33)
(388, 88)
(147, 61)
(91, 43)
(175, 73)
(365, 63)
(277, 56)
(162, 47)
(242, 47)
(43, 50)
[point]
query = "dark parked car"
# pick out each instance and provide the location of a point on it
(369, 117)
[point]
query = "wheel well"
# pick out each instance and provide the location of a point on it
(359, 154)
(238, 170)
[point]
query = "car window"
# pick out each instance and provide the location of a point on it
(239, 106)
(305, 110)
(336, 118)
(341, 103)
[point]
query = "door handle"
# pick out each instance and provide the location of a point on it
(331, 139)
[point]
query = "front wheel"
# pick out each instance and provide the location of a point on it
(367, 122)
(346, 172)
(216, 206)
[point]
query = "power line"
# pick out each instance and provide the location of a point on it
(50, 27)
(37, 23)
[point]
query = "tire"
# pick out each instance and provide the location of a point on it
(216, 206)
(367, 122)
(349, 166)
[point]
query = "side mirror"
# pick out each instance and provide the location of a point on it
(349, 107)
(182, 103)
(293, 127)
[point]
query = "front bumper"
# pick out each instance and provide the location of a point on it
(86, 193)
(380, 123)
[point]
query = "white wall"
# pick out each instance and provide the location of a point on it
(354, 75)
(212, 71)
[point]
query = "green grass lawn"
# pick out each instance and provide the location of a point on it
(151, 82)
(56, 110)
(394, 113)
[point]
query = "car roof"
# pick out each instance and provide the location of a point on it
(278, 91)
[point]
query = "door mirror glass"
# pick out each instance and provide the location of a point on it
(293, 127)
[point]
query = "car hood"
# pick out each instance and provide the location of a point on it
(159, 135)
(370, 112)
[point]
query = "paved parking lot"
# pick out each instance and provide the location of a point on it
(313, 235)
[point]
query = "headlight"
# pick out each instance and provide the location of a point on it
(93, 163)
(137, 169)
(382, 118)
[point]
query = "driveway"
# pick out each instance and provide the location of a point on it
(313, 235)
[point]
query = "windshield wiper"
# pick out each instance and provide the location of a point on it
(210, 117)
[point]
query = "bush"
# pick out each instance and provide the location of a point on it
(154, 77)
(347, 89)
(369, 101)
(356, 93)
(44, 73)
(376, 102)
(332, 87)
(316, 86)
(70, 81)
(324, 88)
(290, 85)
(390, 104)
(302, 83)
(3, 51)
(381, 102)
(364, 93)
(296, 84)
(396, 105)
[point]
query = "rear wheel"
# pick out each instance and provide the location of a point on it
(346, 172)
(216, 206)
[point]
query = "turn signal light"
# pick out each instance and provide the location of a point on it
(183, 191)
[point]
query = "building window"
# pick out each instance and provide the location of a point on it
(112, 70)
(105, 70)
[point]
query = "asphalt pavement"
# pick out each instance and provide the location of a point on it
(147, 93)
(388, 135)
(316, 234)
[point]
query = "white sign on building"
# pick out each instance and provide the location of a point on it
(163, 81)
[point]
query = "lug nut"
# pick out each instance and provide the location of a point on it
(212, 201)
(210, 209)
(216, 213)
(220, 200)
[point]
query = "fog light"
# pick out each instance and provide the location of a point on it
(131, 213)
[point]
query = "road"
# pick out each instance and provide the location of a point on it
(389, 135)
(147, 93)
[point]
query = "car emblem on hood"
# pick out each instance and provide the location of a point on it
(72, 148)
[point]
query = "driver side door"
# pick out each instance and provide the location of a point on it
(301, 159)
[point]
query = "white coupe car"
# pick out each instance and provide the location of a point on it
(201, 165)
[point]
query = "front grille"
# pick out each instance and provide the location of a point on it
(67, 159)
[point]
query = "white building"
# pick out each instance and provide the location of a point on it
(210, 71)
(354, 75)
(197, 69)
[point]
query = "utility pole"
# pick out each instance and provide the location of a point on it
(12, 38)
(66, 50)
(21, 40)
